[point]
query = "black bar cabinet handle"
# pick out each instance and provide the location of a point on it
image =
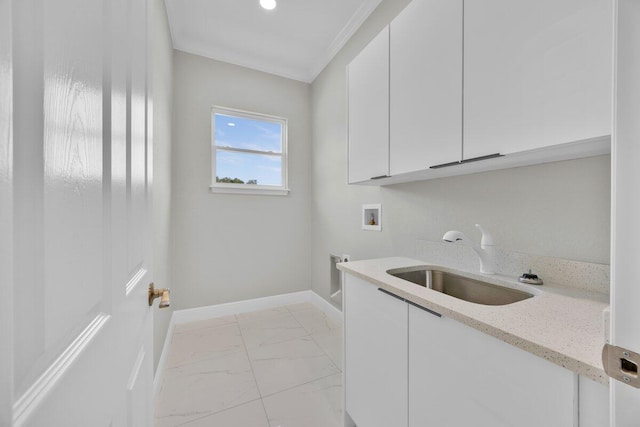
(424, 308)
(445, 165)
(462, 162)
(488, 156)
(384, 291)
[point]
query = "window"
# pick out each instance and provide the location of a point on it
(249, 153)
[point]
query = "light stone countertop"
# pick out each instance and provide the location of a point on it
(561, 324)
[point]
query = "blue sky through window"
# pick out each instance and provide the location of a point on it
(248, 134)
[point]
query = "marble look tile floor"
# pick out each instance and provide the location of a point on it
(271, 368)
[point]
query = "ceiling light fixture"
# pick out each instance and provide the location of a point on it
(268, 4)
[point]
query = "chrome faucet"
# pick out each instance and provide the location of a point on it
(486, 251)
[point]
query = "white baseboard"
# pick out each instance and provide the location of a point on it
(329, 309)
(162, 362)
(237, 307)
(212, 311)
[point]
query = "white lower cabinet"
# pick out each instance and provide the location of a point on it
(593, 403)
(407, 366)
(375, 356)
(459, 376)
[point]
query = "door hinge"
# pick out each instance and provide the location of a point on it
(621, 364)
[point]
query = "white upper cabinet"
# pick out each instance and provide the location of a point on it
(536, 73)
(454, 81)
(368, 80)
(426, 85)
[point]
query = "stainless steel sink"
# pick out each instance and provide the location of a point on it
(464, 288)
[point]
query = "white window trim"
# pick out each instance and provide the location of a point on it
(250, 189)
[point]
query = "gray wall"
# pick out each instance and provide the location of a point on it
(234, 247)
(162, 66)
(559, 209)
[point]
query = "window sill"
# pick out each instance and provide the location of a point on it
(249, 191)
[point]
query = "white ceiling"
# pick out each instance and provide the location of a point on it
(295, 40)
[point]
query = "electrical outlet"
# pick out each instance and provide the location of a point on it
(345, 258)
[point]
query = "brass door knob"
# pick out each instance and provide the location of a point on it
(163, 294)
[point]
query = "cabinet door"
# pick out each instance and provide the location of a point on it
(368, 76)
(536, 73)
(594, 403)
(426, 85)
(462, 377)
(375, 356)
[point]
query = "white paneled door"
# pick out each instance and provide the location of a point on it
(75, 168)
(625, 289)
